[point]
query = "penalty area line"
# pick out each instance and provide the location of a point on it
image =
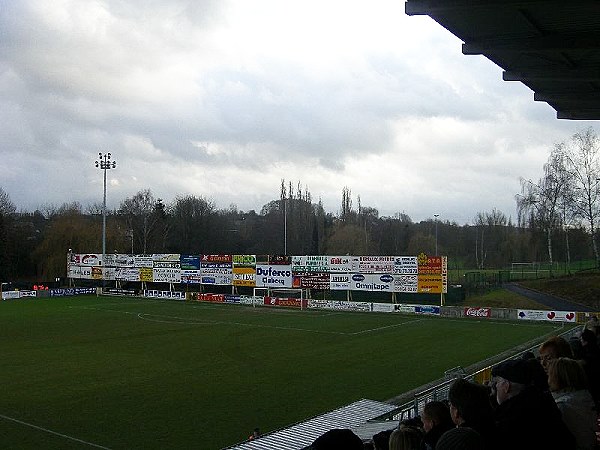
(46, 430)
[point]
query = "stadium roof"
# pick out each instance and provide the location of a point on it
(551, 46)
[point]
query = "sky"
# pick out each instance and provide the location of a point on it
(225, 98)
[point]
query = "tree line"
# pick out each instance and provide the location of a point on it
(557, 221)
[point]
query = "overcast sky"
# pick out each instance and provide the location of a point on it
(224, 98)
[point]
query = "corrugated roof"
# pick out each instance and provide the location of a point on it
(303, 434)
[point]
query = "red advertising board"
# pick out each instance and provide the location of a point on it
(285, 301)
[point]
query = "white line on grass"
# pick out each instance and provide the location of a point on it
(91, 444)
(387, 326)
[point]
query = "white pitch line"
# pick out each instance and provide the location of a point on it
(81, 441)
(387, 326)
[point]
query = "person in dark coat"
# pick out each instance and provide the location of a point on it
(470, 407)
(436, 421)
(526, 417)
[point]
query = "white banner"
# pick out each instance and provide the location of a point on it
(548, 316)
(372, 282)
(274, 276)
(166, 275)
(339, 281)
(406, 265)
(375, 264)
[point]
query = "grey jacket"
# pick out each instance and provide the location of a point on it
(579, 415)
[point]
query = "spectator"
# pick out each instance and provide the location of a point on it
(436, 421)
(338, 439)
(553, 348)
(470, 407)
(461, 438)
(405, 438)
(590, 354)
(568, 384)
(526, 417)
(381, 440)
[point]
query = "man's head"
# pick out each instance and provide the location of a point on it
(555, 347)
(435, 414)
(509, 378)
(338, 439)
(469, 402)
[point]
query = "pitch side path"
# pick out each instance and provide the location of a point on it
(131, 373)
(551, 301)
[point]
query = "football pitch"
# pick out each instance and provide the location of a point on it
(122, 373)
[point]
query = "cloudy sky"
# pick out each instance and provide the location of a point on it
(224, 98)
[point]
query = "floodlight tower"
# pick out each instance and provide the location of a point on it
(104, 163)
(436, 240)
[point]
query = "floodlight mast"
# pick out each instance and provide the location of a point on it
(104, 163)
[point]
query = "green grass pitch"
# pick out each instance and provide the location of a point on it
(124, 373)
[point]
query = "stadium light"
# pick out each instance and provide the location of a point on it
(104, 163)
(436, 240)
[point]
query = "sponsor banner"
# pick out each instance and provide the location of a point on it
(142, 261)
(10, 295)
(339, 281)
(426, 309)
(310, 280)
(80, 272)
(549, 316)
(176, 295)
(383, 307)
(342, 263)
(215, 259)
(244, 261)
(189, 262)
(406, 265)
(406, 283)
(351, 306)
(212, 298)
(109, 273)
(305, 264)
(146, 274)
(244, 276)
(166, 275)
(62, 292)
(280, 260)
(405, 309)
(478, 312)
(127, 274)
(114, 291)
(165, 257)
(375, 264)
(166, 265)
(89, 259)
(28, 293)
(432, 284)
(232, 299)
(190, 276)
(429, 265)
(320, 304)
(216, 269)
(220, 279)
(287, 302)
(340, 305)
(372, 282)
(273, 275)
(96, 273)
(118, 260)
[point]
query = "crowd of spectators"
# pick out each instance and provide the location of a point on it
(547, 402)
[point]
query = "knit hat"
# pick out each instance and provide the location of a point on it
(461, 438)
(515, 370)
(338, 439)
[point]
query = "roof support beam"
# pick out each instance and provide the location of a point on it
(551, 43)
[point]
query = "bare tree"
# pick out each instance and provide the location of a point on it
(583, 164)
(541, 201)
(7, 207)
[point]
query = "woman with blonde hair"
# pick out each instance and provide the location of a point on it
(405, 438)
(569, 387)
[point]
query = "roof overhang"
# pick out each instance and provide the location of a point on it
(553, 47)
